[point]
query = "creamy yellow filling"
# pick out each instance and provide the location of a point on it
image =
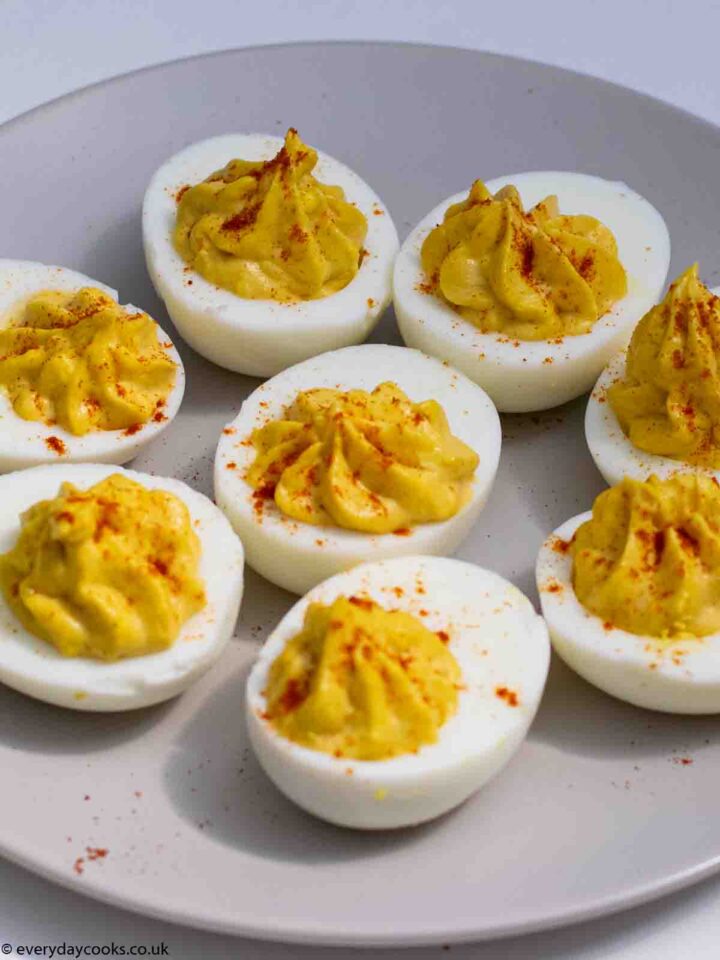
(374, 462)
(271, 230)
(107, 572)
(668, 402)
(649, 559)
(362, 682)
(81, 361)
(533, 275)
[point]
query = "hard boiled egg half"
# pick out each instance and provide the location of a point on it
(501, 648)
(615, 455)
(261, 337)
(35, 667)
(673, 672)
(26, 442)
(297, 555)
(523, 375)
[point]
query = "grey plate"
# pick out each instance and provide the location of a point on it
(596, 812)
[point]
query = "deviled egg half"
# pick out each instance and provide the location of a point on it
(531, 282)
(265, 251)
(631, 593)
(656, 407)
(81, 377)
(359, 454)
(117, 589)
(392, 692)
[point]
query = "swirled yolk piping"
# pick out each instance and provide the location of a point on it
(107, 572)
(374, 462)
(533, 275)
(362, 682)
(649, 559)
(668, 402)
(80, 360)
(270, 230)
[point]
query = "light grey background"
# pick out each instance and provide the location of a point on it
(666, 49)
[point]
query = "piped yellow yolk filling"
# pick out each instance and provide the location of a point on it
(362, 682)
(649, 559)
(533, 275)
(107, 572)
(81, 361)
(271, 231)
(668, 402)
(374, 462)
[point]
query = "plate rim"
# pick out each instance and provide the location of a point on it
(304, 933)
(620, 88)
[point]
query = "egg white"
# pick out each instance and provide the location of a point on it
(679, 676)
(28, 443)
(526, 375)
(262, 337)
(296, 555)
(614, 454)
(499, 642)
(35, 667)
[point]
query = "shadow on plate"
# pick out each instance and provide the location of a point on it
(214, 782)
(212, 389)
(264, 605)
(581, 720)
(553, 443)
(386, 330)
(29, 724)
